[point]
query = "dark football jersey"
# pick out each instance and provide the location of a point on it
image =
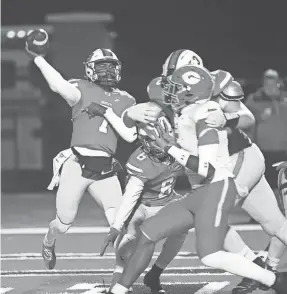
(96, 132)
(159, 178)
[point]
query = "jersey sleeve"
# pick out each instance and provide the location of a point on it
(154, 90)
(131, 197)
(125, 102)
(139, 165)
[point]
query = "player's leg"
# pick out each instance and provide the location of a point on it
(170, 249)
(70, 192)
(127, 243)
(235, 244)
(108, 194)
(154, 229)
(277, 248)
(211, 223)
(262, 205)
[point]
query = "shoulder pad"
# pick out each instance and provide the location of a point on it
(203, 110)
(139, 164)
(123, 93)
(154, 90)
(221, 80)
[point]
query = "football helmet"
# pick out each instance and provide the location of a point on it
(187, 85)
(178, 59)
(149, 146)
(222, 79)
(232, 92)
(103, 67)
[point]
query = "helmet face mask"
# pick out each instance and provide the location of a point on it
(150, 147)
(102, 69)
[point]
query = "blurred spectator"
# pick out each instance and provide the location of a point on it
(269, 106)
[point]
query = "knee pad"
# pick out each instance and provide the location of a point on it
(62, 227)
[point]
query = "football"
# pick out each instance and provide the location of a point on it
(37, 42)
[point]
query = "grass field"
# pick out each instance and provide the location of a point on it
(79, 267)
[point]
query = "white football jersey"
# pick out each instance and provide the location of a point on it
(190, 129)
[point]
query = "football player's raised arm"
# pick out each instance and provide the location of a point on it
(57, 83)
(131, 196)
(125, 127)
(237, 114)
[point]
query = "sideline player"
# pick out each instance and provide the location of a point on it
(195, 84)
(99, 117)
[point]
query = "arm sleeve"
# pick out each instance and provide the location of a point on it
(131, 196)
(57, 83)
(208, 144)
(128, 133)
(237, 111)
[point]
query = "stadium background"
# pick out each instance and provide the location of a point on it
(242, 37)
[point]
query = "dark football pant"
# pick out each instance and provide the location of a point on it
(206, 208)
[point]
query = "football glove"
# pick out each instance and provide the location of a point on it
(95, 109)
(109, 240)
(280, 165)
(161, 136)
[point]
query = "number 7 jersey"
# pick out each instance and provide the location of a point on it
(159, 178)
(95, 132)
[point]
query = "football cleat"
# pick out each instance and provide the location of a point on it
(280, 285)
(153, 283)
(49, 256)
(248, 285)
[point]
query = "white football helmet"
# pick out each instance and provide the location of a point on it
(103, 67)
(178, 59)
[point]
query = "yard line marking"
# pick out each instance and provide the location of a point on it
(107, 275)
(212, 287)
(84, 256)
(5, 290)
(175, 271)
(88, 286)
(98, 230)
(98, 288)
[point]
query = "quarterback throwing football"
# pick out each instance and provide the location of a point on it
(99, 118)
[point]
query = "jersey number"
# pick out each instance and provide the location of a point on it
(104, 126)
(166, 187)
(141, 156)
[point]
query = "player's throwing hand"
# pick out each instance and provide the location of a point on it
(37, 43)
